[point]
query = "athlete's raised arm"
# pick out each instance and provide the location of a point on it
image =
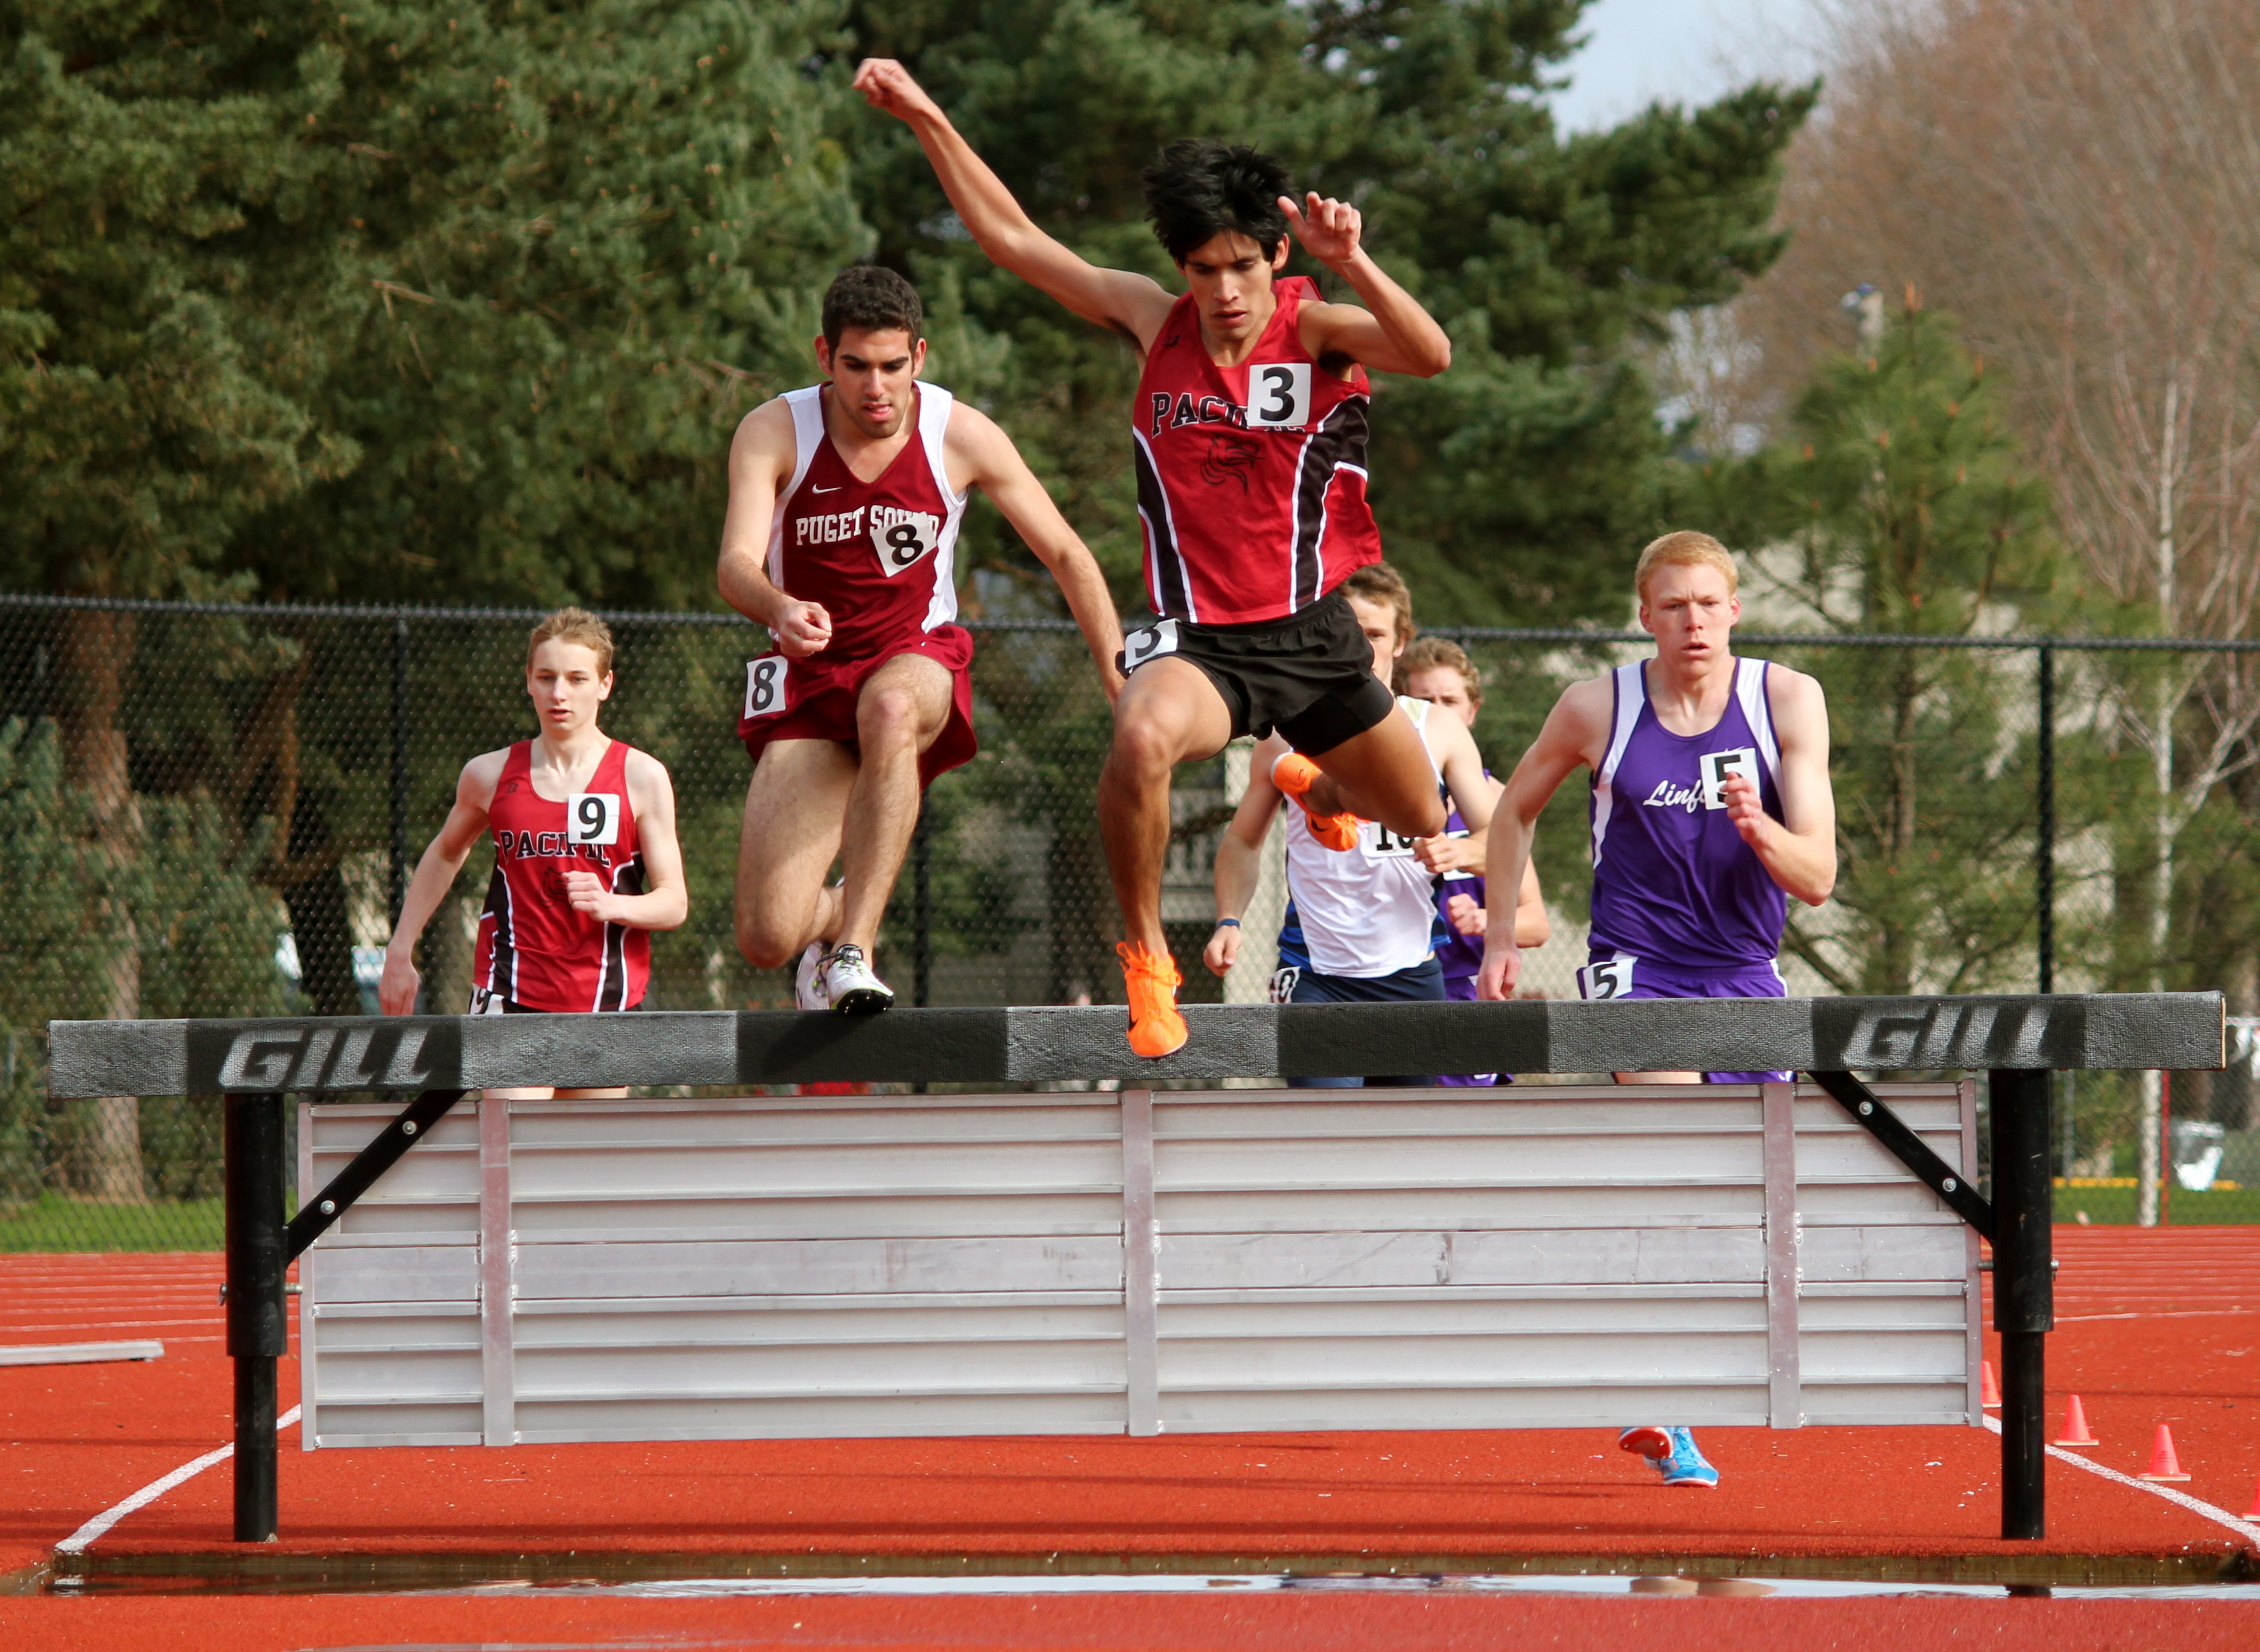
(762, 461)
(1575, 735)
(1392, 334)
(992, 464)
(1798, 851)
(1130, 303)
(665, 901)
(435, 874)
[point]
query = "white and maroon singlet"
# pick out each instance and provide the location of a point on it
(878, 556)
(1251, 479)
(533, 948)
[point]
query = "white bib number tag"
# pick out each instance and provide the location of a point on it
(1611, 978)
(903, 539)
(1743, 760)
(765, 685)
(1279, 394)
(593, 817)
(1387, 845)
(1149, 642)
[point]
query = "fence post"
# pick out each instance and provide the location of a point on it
(2044, 823)
(922, 907)
(399, 777)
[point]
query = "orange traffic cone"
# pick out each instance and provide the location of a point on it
(2253, 1513)
(2075, 1425)
(2163, 1464)
(1989, 1390)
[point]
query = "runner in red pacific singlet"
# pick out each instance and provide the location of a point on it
(586, 863)
(535, 949)
(1284, 435)
(844, 505)
(1249, 433)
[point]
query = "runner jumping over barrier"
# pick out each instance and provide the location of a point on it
(1249, 436)
(1710, 806)
(845, 500)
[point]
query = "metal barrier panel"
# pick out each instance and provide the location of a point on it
(1097, 1262)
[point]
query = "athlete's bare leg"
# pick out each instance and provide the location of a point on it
(900, 711)
(1657, 1078)
(794, 807)
(1168, 713)
(1383, 775)
(531, 1093)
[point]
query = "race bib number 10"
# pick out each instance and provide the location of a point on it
(765, 685)
(1610, 978)
(593, 817)
(1388, 844)
(1279, 394)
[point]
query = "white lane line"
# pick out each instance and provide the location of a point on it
(77, 1542)
(2180, 1313)
(9, 1328)
(2212, 1512)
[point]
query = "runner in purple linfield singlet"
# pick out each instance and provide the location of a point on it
(1710, 806)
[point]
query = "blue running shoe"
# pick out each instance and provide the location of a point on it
(1651, 1442)
(1684, 1464)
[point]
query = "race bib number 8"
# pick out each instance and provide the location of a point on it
(593, 817)
(1743, 760)
(765, 685)
(1279, 394)
(1611, 978)
(1149, 642)
(903, 539)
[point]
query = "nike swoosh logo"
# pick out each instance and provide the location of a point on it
(834, 490)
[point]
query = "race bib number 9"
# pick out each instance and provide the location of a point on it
(903, 539)
(765, 685)
(1743, 760)
(1611, 978)
(1149, 642)
(593, 817)
(1279, 394)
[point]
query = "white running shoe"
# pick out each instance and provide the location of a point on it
(808, 979)
(849, 983)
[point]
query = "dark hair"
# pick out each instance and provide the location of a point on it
(872, 300)
(1197, 188)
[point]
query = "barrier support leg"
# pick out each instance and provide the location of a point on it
(257, 1334)
(2024, 1296)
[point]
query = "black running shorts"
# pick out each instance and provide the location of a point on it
(1309, 676)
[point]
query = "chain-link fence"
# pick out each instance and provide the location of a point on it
(214, 810)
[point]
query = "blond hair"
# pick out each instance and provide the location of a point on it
(1686, 548)
(1440, 653)
(1378, 582)
(574, 624)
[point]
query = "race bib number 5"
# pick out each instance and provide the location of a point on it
(593, 817)
(1149, 642)
(765, 685)
(1743, 760)
(1610, 978)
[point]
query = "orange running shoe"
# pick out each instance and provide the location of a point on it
(1156, 1029)
(1293, 774)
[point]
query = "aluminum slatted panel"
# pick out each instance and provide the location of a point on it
(830, 1265)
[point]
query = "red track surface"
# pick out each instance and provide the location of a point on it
(2160, 1325)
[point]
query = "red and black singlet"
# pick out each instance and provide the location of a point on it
(1251, 479)
(533, 948)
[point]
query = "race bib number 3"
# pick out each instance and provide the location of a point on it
(593, 817)
(765, 685)
(1149, 642)
(1743, 760)
(1610, 978)
(1279, 394)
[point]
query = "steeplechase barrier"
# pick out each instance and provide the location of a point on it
(1142, 1259)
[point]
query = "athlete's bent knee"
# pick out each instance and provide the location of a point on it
(762, 944)
(1144, 750)
(887, 716)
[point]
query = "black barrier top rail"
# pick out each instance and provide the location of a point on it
(2180, 1031)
